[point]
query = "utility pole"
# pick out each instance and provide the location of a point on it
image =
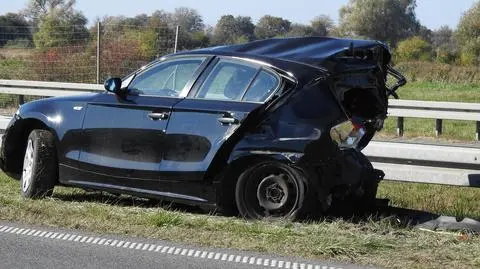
(176, 39)
(98, 51)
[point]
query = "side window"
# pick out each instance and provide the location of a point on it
(166, 79)
(262, 87)
(227, 81)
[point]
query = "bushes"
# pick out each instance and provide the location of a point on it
(414, 48)
(68, 64)
(437, 72)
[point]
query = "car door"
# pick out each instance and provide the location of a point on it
(214, 109)
(124, 137)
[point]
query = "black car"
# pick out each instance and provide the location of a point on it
(271, 128)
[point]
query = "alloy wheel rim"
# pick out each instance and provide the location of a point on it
(27, 166)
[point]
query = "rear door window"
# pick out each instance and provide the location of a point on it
(262, 87)
(237, 81)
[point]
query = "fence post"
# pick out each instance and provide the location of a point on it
(98, 51)
(400, 126)
(438, 127)
(21, 100)
(176, 39)
(478, 131)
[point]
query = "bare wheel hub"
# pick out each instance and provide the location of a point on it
(272, 192)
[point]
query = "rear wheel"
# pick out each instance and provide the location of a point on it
(271, 190)
(39, 173)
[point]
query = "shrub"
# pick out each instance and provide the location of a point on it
(67, 64)
(414, 48)
(438, 72)
(446, 56)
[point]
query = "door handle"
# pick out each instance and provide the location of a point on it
(158, 116)
(228, 120)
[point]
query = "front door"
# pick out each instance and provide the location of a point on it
(125, 138)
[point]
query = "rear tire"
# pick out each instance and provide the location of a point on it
(271, 190)
(40, 166)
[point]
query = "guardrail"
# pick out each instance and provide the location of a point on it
(434, 110)
(397, 108)
(436, 164)
(42, 88)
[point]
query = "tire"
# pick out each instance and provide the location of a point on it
(271, 190)
(39, 173)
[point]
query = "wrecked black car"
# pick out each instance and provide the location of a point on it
(269, 129)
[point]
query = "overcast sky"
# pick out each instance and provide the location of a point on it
(432, 13)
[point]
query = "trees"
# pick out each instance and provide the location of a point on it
(322, 25)
(444, 45)
(232, 30)
(14, 31)
(191, 25)
(59, 24)
(385, 20)
(37, 9)
(297, 30)
(468, 35)
(270, 26)
(54, 30)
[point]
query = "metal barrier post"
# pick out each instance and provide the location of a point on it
(478, 131)
(400, 126)
(438, 127)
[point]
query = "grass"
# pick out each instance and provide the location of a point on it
(369, 241)
(439, 91)
(446, 200)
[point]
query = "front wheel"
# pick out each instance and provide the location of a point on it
(39, 173)
(271, 190)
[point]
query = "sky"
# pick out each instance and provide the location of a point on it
(431, 13)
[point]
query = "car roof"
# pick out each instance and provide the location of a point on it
(315, 52)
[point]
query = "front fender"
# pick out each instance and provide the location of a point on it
(62, 116)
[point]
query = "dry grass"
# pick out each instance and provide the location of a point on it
(371, 242)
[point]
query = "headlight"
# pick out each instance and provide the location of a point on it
(347, 134)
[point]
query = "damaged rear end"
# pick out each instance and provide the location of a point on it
(323, 123)
(358, 78)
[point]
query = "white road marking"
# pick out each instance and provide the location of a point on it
(189, 252)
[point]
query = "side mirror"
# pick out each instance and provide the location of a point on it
(113, 85)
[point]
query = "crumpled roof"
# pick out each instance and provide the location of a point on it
(317, 51)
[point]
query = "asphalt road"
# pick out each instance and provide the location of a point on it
(43, 247)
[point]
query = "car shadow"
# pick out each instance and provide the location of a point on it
(381, 211)
(402, 217)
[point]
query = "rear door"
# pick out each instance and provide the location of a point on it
(215, 108)
(124, 138)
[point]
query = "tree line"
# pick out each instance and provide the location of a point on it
(53, 23)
